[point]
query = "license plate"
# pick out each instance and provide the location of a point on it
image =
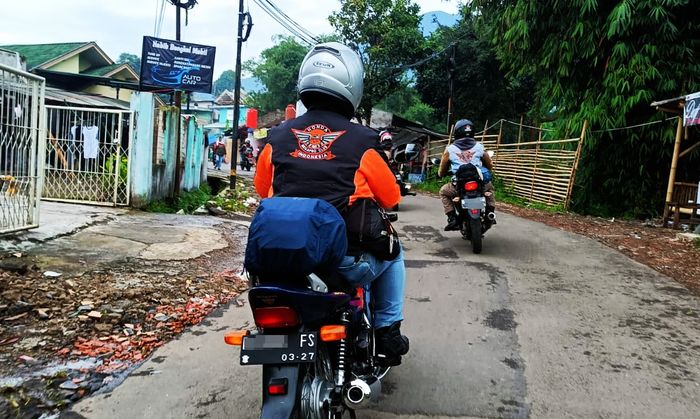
(279, 349)
(474, 203)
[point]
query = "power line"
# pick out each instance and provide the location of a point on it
(310, 40)
(283, 22)
(292, 21)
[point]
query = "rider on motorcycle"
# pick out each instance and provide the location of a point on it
(321, 154)
(464, 150)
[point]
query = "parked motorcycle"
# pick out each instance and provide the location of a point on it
(470, 206)
(315, 343)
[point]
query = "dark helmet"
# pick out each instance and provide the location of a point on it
(464, 128)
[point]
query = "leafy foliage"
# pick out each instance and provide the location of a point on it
(605, 61)
(386, 34)
(481, 89)
(406, 103)
(226, 81)
(132, 59)
(277, 69)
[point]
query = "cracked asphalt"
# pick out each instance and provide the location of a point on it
(542, 324)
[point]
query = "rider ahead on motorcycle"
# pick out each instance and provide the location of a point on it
(321, 154)
(464, 150)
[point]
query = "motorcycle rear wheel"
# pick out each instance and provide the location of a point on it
(475, 228)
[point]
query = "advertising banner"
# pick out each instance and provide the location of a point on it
(691, 112)
(177, 65)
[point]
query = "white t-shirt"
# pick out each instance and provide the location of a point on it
(91, 145)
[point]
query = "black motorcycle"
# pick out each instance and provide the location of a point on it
(247, 159)
(315, 342)
(401, 158)
(470, 205)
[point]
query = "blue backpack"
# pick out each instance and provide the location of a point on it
(293, 237)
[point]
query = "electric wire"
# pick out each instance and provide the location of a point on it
(285, 24)
(292, 21)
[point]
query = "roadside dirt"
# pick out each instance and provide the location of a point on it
(654, 246)
(63, 337)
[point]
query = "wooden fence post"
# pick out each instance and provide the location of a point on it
(577, 157)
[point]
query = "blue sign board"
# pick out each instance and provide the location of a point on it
(177, 65)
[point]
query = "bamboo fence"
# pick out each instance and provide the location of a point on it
(528, 166)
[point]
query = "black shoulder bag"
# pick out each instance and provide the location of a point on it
(370, 230)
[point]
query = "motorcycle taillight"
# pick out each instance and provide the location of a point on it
(471, 186)
(275, 317)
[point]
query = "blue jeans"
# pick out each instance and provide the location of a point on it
(388, 281)
(218, 160)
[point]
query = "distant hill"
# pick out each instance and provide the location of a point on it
(432, 20)
(251, 84)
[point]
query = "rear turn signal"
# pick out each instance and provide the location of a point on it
(471, 186)
(277, 387)
(332, 333)
(236, 337)
(275, 317)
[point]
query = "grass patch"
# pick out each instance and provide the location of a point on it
(186, 201)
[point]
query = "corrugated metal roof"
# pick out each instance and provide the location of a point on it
(64, 97)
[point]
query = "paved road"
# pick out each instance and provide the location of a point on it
(543, 324)
(225, 171)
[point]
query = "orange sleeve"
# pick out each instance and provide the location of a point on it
(380, 179)
(264, 172)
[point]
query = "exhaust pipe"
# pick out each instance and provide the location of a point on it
(491, 216)
(358, 393)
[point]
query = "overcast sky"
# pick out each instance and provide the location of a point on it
(117, 26)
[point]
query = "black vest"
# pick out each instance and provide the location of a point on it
(317, 155)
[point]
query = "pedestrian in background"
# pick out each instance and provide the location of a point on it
(219, 152)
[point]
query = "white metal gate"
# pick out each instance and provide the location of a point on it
(87, 155)
(21, 110)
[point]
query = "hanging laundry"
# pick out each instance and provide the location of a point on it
(91, 145)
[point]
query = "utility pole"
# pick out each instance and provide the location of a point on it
(451, 64)
(237, 96)
(178, 104)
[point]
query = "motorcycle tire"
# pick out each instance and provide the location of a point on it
(475, 227)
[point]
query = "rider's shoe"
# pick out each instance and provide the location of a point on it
(390, 345)
(452, 223)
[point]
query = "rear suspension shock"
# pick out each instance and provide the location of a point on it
(342, 355)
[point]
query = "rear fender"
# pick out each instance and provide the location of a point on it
(280, 406)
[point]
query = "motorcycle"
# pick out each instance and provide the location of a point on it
(402, 156)
(247, 159)
(315, 343)
(470, 205)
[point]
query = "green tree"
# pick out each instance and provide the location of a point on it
(605, 61)
(226, 81)
(406, 102)
(481, 89)
(386, 34)
(132, 59)
(277, 69)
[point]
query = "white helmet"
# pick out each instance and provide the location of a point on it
(334, 69)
